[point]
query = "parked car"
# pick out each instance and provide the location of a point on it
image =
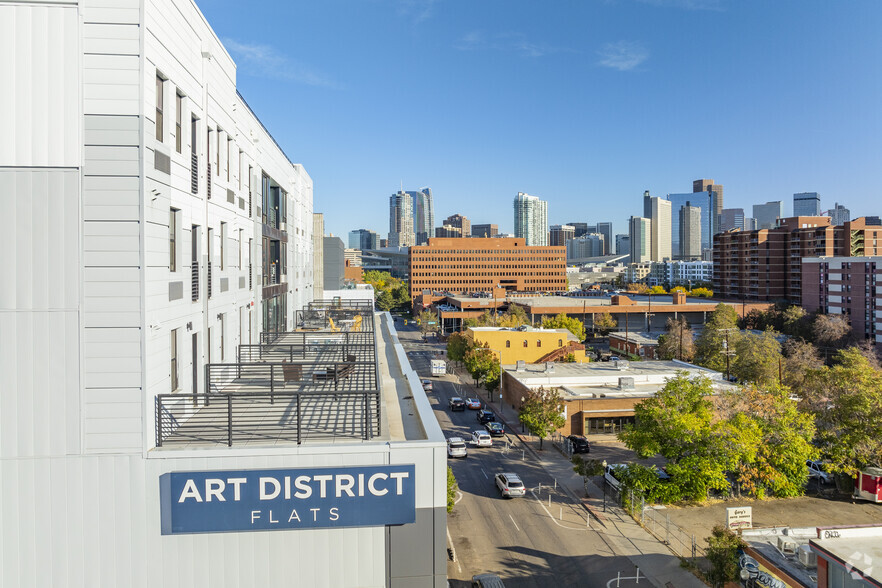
(510, 485)
(456, 403)
(816, 471)
(610, 474)
(427, 385)
(485, 416)
(482, 439)
(579, 444)
(473, 404)
(495, 429)
(456, 447)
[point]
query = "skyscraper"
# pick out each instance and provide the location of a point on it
(690, 232)
(658, 211)
(460, 222)
(640, 237)
(605, 229)
(807, 204)
(767, 214)
(623, 244)
(707, 202)
(590, 245)
(363, 239)
(839, 214)
(423, 215)
(485, 230)
(560, 234)
(401, 220)
(710, 186)
(580, 228)
(531, 219)
(732, 218)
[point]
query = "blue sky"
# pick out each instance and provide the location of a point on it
(585, 103)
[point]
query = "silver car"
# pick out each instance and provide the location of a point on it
(456, 447)
(482, 439)
(510, 485)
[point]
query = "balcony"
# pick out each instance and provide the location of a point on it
(292, 387)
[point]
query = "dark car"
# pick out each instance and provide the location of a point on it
(485, 416)
(495, 429)
(579, 444)
(456, 403)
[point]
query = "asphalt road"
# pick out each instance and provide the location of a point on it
(523, 540)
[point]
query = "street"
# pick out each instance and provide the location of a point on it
(527, 541)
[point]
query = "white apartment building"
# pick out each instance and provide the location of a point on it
(150, 226)
(531, 219)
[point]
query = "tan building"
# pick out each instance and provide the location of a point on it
(599, 398)
(528, 344)
(767, 264)
(484, 264)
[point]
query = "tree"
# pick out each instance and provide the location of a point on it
(796, 322)
(428, 321)
(846, 400)
(457, 346)
(385, 301)
(720, 327)
(542, 412)
(492, 376)
(637, 288)
(390, 292)
(831, 330)
(479, 362)
(757, 359)
(678, 341)
(722, 554)
(587, 468)
(657, 290)
(605, 323)
(701, 293)
(800, 357)
(451, 489)
(562, 321)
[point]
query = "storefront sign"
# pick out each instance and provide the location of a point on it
(262, 500)
(739, 518)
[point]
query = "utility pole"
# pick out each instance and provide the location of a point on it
(727, 350)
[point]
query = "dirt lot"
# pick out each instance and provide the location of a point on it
(806, 511)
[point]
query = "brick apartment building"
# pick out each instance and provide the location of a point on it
(847, 286)
(766, 264)
(484, 264)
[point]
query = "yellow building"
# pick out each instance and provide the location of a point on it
(528, 344)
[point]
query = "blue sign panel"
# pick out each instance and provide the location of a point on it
(268, 500)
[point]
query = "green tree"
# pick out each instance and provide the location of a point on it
(796, 322)
(846, 400)
(757, 358)
(492, 376)
(385, 300)
(722, 554)
(542, 412)
(678, 342)
(479, 362)
(701, 293)
(605, 323)
(457, 346)
(562, 321)
(451, 489)
(710, 346)
(426, 318)
(587, 469)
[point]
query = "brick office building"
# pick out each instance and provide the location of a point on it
(484, 264)
(766, 264)
(846, 286)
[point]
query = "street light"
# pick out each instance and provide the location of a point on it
(522, 422)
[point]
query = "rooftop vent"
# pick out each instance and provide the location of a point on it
(521, 365)
(549, 367)
(626, 383)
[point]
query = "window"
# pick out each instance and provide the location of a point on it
(159, 97)
(228, 158)
(217, 151)
(221, 337)
(525, 342)
(240, 249)
(538, 342)
(175, 384)
(507, 344)
(223, 238)
(172, 240)
(560, 342)
(179, 114)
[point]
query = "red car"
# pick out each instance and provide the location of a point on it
(473, 404)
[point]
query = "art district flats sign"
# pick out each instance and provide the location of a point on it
(268, 500)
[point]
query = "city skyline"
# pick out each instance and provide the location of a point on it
(516, 91)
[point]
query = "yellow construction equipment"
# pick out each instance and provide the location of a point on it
(334, 328)
(356, 325)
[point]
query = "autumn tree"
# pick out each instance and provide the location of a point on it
(542, 412)
(800, 358)
(562, 321)
(720, 336)
(637, 288)
(757, 358)
(604, 323)
(831, 330)
(655, 290)
(678, 341)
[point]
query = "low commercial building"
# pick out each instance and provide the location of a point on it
(485, 264)
(528, 344)
(846, 286)
(599, 397)
(636, 345)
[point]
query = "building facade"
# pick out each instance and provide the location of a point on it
(423, 216)
(448, 231)
(178, 232)
(690, 232)
(335, 262)
(484, 230)
(807, 204)
(767, 214)
(732, 218)
(460, 222)
(640, 239)
(623, 244)
(839, 214)
(606, 230)
(558, 235)
(318, 255)
(528, 344)
(401, 221)
(847, 286)
(767, 264)
(482, 265)
(586, 246)
(708, 186)
(579, 228)
(531, 219)
(363, 239)
(658, 211)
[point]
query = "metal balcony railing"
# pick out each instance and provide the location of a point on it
(194, 281)
(194, 172)
(208, 279)
(208, 180)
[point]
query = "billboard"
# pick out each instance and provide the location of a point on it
(284, 499)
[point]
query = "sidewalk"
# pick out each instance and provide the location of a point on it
(653, 558)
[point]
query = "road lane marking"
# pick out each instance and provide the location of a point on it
(485, 473)
(450, 540)
(554, 520)
(459, 496)
(514, 523)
